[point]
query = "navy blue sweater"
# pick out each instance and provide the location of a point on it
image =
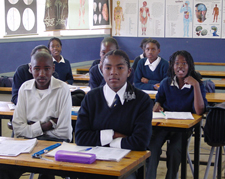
(64, 71)
(154, 77)
(96, 78)
(173, 99)
(133, 119)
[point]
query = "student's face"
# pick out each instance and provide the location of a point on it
(106, 47)
(115, 72)
(55, 48)
(42, 69)
(151, 51)
(180, 67)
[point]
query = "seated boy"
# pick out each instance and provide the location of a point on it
(23, 74)
(151, 70)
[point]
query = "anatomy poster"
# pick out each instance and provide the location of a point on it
(223, 20)
(207, 19)
(151, 18)
(179, 18)
(78, 17)
(100, 14)
(124, 20)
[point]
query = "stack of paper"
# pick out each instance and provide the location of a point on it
(16, 147)
(102, 153)
(150, 91)
(172, 115)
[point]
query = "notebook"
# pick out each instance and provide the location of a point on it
(172, 115)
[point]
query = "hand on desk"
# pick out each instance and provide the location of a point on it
(144, 80)
(46, 126)
(157, 107)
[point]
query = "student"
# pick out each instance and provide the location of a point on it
(125, 125)
(151, 70)
(23, 74)
(107, 44)
(62, 66)
(181, 91)
(43, 109)
(96, 76)
(138, 58)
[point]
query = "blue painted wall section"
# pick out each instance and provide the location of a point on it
(13, 54)
(202, 50)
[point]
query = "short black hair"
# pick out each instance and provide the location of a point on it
(150, 40)
(41, 54)
(38, 48)
(54, 38)
(118, 53)
(144, 41)
(111, 40)
(190, 62)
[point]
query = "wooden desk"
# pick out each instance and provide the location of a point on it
(135, 160)
(219, 84)
(83, 69)
(212, 74)
(185, 127)
(81, 77)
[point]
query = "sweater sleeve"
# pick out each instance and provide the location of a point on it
(84, 134)
(142, 129)
(69, 76)
(137, 79)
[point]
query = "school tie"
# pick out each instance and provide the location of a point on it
(116, 101)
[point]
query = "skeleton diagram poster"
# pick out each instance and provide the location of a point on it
(151, 18)
(179, 18)
(207, 19)
(124, 20)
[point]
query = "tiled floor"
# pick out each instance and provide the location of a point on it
(204, 153)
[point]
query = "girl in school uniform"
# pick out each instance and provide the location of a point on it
(62, 66)
(122, 123)
(182, 91)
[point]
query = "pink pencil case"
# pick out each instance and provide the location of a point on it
(74, 157)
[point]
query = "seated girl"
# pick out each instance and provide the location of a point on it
(181, 91)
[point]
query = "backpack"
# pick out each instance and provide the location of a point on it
(77, 97)
(5, 81)
(209, 86)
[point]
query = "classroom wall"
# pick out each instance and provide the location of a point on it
(79, 49)
(202, 50)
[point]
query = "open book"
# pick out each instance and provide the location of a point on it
(16, 147)
(102, 153)
(172, 115)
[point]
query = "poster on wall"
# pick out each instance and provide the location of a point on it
(20, 17)
(179, 18)
(78, 16)
(223, 20)
(207, 19)
(151, 18)
(99, 13)
(124, 20)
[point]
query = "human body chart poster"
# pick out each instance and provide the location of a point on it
(151, 15)
(124, 20)
(207, 19)
(179, 18)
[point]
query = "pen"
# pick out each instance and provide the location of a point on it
(163, 114)
(85, 149)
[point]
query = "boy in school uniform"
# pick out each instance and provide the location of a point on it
(23, 74)
(44, 107)
(151, 70)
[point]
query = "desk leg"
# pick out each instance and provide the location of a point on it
(0, 126)
(141, 172)
(197, 150)
(184, 155)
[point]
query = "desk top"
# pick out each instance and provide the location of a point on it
(81, 77)
(6, 89)
(219, 83)
(130, 161)
(212, 73)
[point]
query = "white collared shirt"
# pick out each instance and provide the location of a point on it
(110, 94)
(174, 83)
(153, 65)
(106, 136)
(61, 61)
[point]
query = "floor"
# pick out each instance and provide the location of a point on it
(204, 153)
